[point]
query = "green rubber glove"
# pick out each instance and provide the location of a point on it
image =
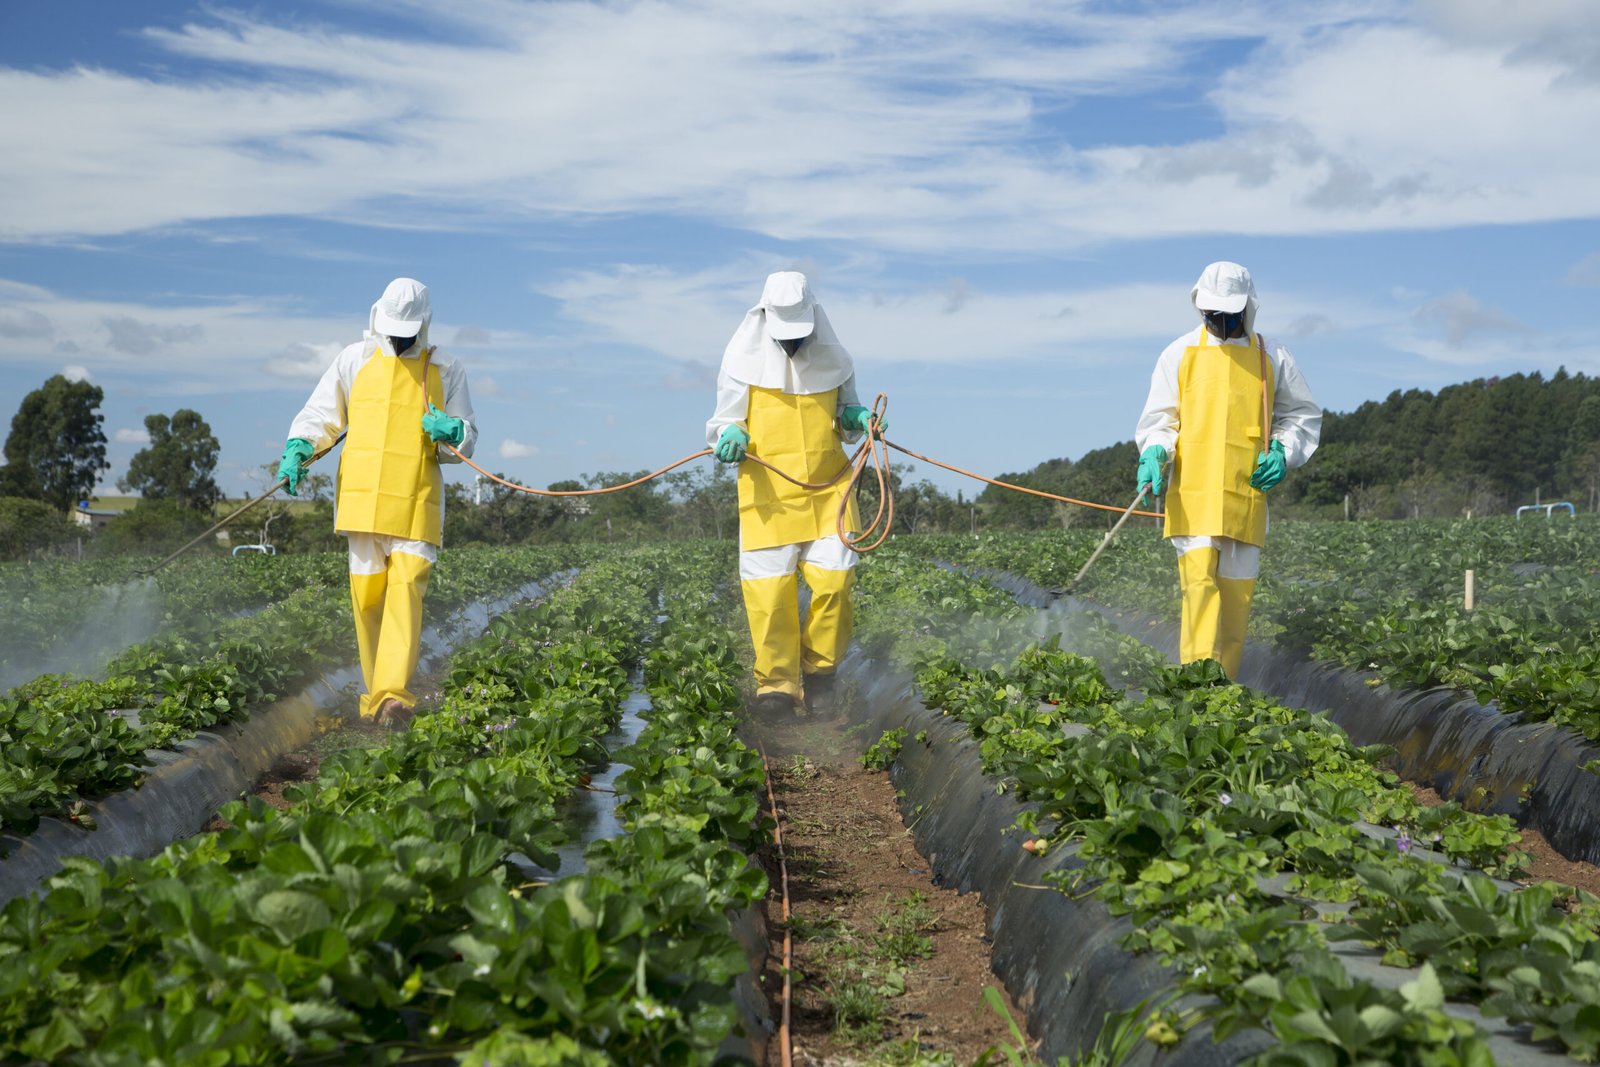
(858, 418)
(1151, 462)
(1270, 467)
(731, 444)
(442, 427)
(292, 465)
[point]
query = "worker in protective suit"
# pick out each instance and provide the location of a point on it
(396, 400)
(786, 393)
(1232, 412)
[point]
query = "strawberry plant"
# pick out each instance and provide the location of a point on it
(1219, 822)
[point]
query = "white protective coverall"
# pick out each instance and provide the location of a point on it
(790, 407)
(390, 499)
(1205, 407)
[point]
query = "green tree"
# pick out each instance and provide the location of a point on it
(1008, 509)
(28, 525)
(57, 448)
(506, 516)
(1107, 476)
(178, 464)
(151, 527)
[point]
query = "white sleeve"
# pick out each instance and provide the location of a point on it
(733, 405)
(1296, 418)
(458, 402)
(323, 418)
(1158, 422)
(847, 397)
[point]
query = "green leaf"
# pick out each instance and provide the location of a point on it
(292, 914)
(1425, 993)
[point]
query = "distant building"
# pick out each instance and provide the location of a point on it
(92, 518)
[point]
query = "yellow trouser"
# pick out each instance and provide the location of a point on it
(388, 610)
(1216, 611)
(785, 652)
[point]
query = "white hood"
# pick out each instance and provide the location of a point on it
(753, 357)
(1225, 286)
(403, 309)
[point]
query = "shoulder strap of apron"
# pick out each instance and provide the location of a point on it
(1266, 416)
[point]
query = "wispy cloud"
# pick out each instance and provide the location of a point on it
(204, 346)
(510, 449)
(688, 316)
(1461, 317)
(1585, 272)
(910, 125)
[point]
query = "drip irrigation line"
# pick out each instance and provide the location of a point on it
(788, 944)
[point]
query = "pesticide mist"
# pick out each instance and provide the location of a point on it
(89, 629)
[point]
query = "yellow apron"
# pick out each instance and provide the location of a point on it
(1223, 392)
(796, 434)
(389, 479)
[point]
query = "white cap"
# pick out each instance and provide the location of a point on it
(789, 306)
(403, 309)
(1224, 287)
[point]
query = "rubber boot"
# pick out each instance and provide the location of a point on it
(1202, 605)
(773, 608)
(366, 599)
(1235, 594)
(400, 643)
(828, 621)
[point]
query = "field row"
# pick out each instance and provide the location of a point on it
(383, 914)
(64, 737)
(1381, 596)
(1243, 842)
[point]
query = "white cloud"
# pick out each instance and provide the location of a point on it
(1461, 316)
(689, 316)
(303, 361)
(137, 338)
(483, 386)
(75, 373)
(510, 449)
(473, 335)
(22, 322)
(187, 349)
(919, 125)
(1585, 272)
(126, 436)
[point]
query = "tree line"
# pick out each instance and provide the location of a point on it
(56, 452)
(1480, 447)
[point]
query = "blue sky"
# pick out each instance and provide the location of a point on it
(1001, 204)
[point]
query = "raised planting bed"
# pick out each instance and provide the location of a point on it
(186, 784)
(1538, 772)
(1200, 851)
(67, 740)
(387, 913)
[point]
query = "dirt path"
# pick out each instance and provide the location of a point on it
(887, 964)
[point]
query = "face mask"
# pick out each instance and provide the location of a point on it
(792, 345)
(401, 344)
(1224, 324)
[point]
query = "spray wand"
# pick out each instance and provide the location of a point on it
(1105, 542)
(213, 528)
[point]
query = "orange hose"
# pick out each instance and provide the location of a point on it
(875, 448)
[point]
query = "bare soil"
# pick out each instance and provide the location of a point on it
(852, 869)
(1546, 864)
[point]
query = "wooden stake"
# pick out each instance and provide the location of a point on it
(1469, 591)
